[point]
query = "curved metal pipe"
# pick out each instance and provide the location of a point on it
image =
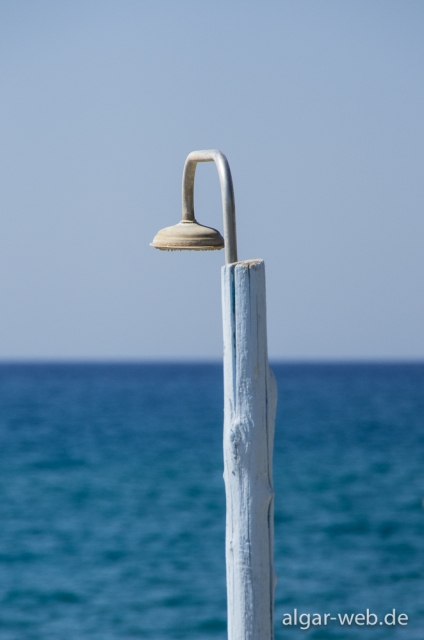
(227, 193)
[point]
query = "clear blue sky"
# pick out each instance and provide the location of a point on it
(319, 108)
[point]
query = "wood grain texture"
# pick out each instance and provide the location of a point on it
(250, 399)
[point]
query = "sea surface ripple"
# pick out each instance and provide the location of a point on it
(112, 501)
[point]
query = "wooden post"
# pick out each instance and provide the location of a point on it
(250, 399)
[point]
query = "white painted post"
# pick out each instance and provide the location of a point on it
(250, 399)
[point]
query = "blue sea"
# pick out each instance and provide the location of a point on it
(112, 501)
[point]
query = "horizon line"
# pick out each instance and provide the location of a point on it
(388, 360)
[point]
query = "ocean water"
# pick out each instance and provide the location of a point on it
(112, 500)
